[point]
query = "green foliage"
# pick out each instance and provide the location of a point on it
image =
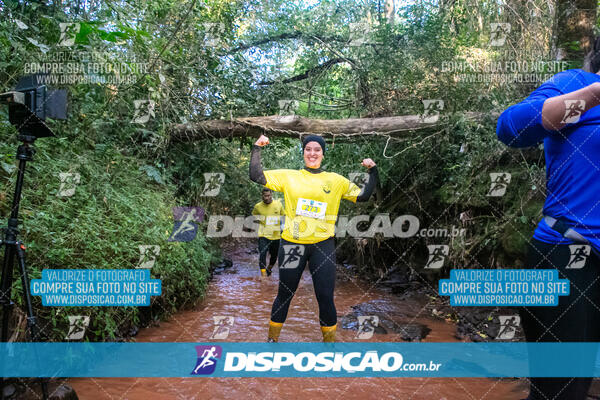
(267, 51)
(117, 206)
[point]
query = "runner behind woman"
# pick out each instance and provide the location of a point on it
(269, 213)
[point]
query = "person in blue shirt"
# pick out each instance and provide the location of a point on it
(562, 114)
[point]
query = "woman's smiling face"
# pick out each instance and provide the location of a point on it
(313, 155)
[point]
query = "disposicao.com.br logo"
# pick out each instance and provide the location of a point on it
(345, 362)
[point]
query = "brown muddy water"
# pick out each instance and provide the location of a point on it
(240, 292)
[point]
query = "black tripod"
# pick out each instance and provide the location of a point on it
(14, 247)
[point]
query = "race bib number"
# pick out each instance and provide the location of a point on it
(272, 221)
(311, 208)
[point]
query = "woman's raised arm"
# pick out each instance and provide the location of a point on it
(367, 190)
(256, 171)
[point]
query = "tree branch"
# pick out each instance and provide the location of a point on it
(310, 72)
(285, 36)
(296, 126)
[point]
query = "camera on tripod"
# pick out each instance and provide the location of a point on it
(28, 107)
(31, 103)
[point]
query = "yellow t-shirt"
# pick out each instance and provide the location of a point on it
(269, 219)
(312, 202)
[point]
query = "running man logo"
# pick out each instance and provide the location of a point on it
(508, 326)
(359, 179)
(359, 32)
(68, 183)
(431, 110)
(212, 183)
(222, 326)
(573, 111)
(366, 326)
(499, 33)
(500, 181)
(287, 110)
(292, 253)
(185, 227)
(20, 24)
(144, 109)
(288, 107)
(579, 255)
(213, 32)
(148, 254)
(207, 359)
(437, 255)
(77, 326)
(68, 32)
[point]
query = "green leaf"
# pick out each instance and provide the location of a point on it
(9, 168)
(39, 45)
(152, 173)
(21, 24)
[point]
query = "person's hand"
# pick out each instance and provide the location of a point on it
(367, 162)
(262, 141)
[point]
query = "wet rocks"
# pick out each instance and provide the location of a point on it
(412, 332)
(387, 320)
(350, 321)
(8, 391)
(399, 281)
(485, 324)
(63, 392)
(30, 388)
(376, 307)
(396, 277)
(222, 266)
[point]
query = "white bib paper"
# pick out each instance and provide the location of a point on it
(273, 220)
(311, 208)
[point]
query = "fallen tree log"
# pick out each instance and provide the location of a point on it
(295, 126)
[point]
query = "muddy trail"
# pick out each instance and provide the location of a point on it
(240, 292)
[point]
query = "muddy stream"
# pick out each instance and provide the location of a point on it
(239, 291)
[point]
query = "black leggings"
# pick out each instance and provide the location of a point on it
(575, 319)
(267, 246)
(321, 263)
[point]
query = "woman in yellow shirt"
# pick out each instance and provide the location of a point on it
(312, 199)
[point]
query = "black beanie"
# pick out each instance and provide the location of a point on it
(313, 138)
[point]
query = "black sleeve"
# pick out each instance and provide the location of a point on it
(256, 171)
(367, 190)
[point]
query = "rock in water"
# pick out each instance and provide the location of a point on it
(64, 392)
(9, 390)
(350, 321)
(376, 307)
(482, 324)
(388, 320)
(412, 332)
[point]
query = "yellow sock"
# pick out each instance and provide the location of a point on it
(329, 333)
(274, 330)
(263, 272)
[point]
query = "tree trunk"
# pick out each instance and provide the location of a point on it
(295, 126)
(390, 11)
(575, 29)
